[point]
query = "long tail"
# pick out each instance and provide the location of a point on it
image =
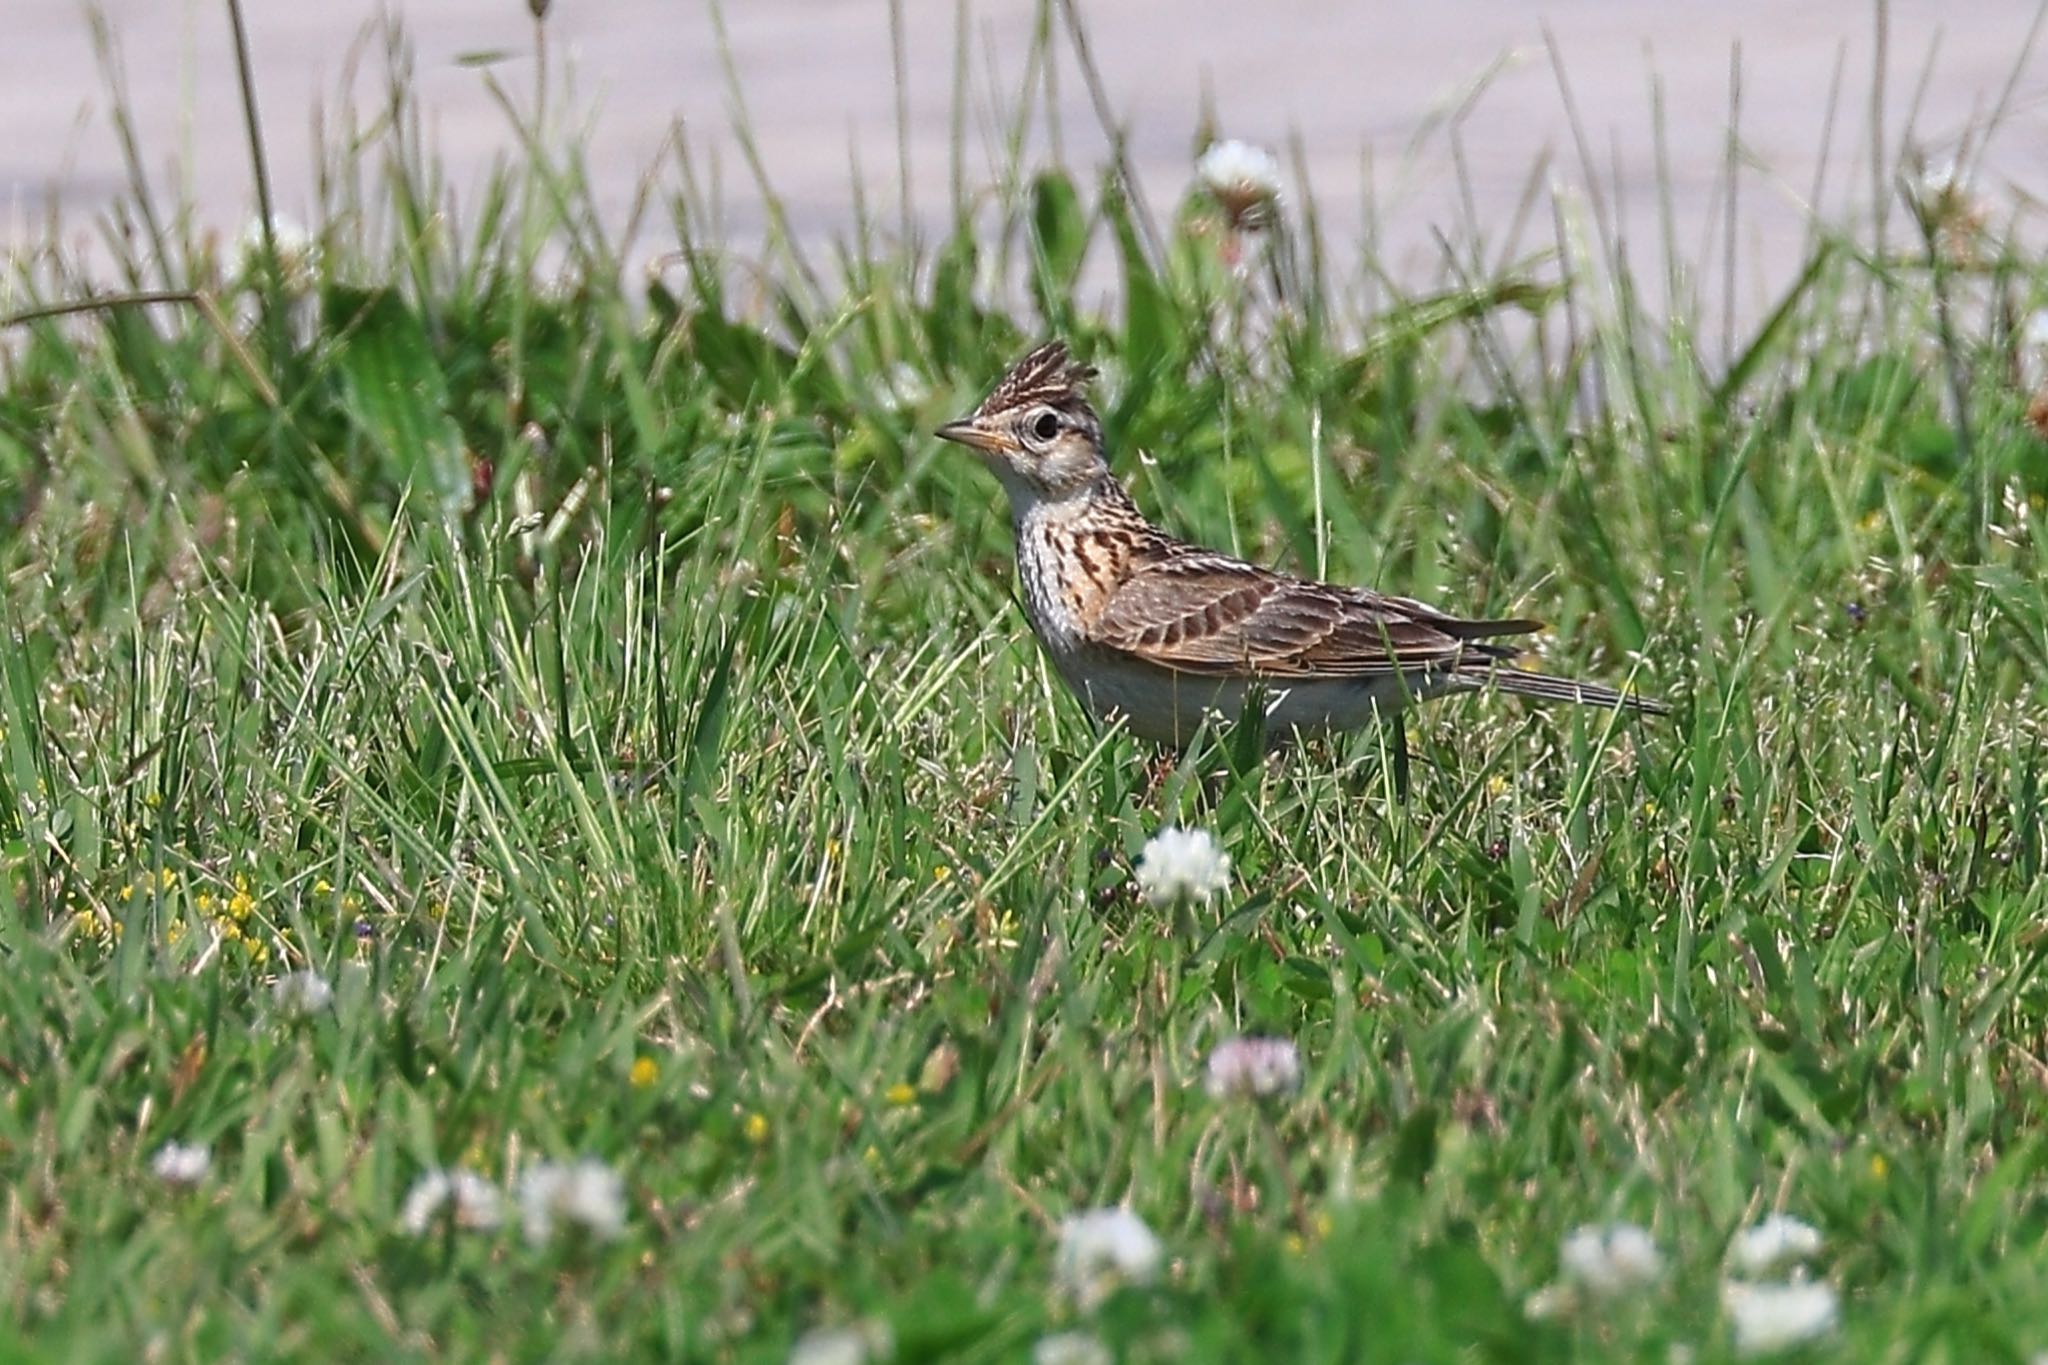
(1544, 687)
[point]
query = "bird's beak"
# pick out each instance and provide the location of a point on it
(969, 433)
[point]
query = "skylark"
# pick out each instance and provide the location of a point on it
(1166, 634)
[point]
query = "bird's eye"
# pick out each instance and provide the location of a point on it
(1047, 426)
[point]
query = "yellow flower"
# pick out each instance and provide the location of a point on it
(941, 872)
(1497, 785)
(88, 923)
(174, 931)
(203, 902)
(323, 887)
(153, 800)
(756, 1128)
(167, 877)
(643, 1073)
(128, 892)
(900, 1094)
(241, 905)
(1879, 1167)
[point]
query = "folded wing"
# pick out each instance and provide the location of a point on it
(1210, 614)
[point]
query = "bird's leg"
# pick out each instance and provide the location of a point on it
(1400, 746)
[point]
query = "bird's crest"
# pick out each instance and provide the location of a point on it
(1048, 375)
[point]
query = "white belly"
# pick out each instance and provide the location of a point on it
(1169, 708)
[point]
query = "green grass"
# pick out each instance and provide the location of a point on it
(581, 675)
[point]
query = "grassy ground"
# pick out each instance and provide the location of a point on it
(618, 697)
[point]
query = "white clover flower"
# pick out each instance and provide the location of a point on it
(1243, 179)
(1182, 863)
(1101, 1250)
(1255, 1067)
(585, 1192)
(856, 1345)
(1070, 1348)
(1779, 1239)
(1775, 1317)
(302, 993)
(1610, 1259)
(476, 1202)
(182, 1163)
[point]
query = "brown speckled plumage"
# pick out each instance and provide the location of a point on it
(1163, 633)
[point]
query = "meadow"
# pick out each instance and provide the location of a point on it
(466, 705)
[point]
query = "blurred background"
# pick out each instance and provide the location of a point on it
(1407, 120)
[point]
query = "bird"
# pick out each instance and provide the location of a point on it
(1166, 635)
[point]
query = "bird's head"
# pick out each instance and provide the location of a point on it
(1036, 430)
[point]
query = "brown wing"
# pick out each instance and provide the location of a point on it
(1206, 613)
